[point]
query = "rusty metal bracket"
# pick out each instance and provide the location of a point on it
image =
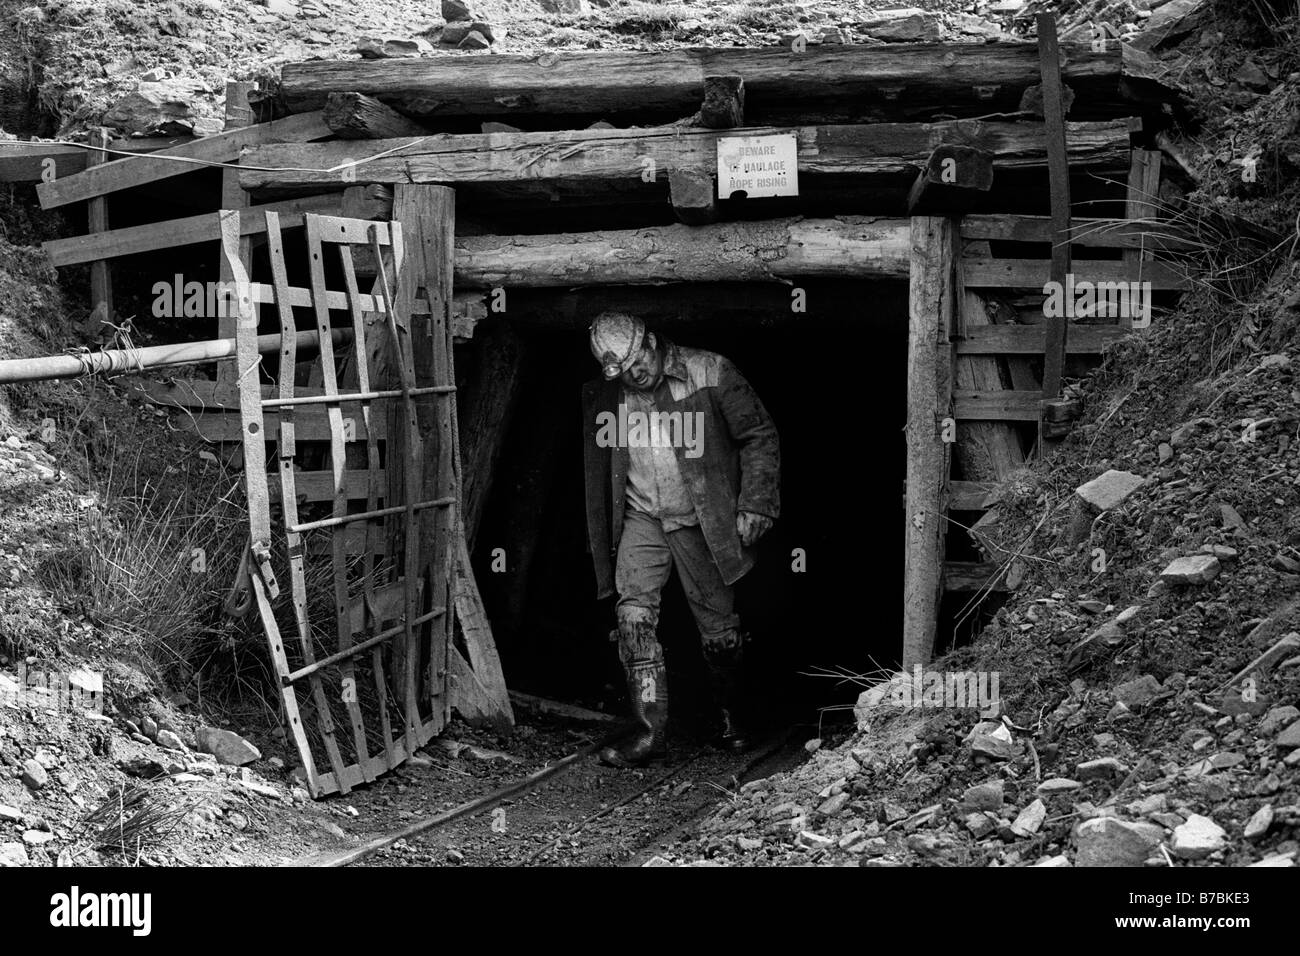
(262, 555)
(240, 599)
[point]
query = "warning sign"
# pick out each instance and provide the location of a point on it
(758, 166)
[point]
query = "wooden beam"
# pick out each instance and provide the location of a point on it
(138, 170)
(967, 577)
(357, 116)
(986, 451)
(205, 227)
(238, 115)
(857, 80)
(1058, 167)
(618, 155)
(1141, 203)
(480, 647)
(693, 194)
(101, 280)
(995, 406)
(555, 708)
(986, 273)
(1107, 233)
(952, 180)
(34, 162)
(724, 102)
(932, 292)
(320, 485)
(767, 251)
(970, 495)
(1028, 339)
(486, 404)
(310, 424)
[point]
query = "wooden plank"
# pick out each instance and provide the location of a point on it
(357, 116)
(1143, 194)
(479, 644)
(412, 465)
(996, 406)
(427, 218)
(288, 696)
(857, 79)
(101, 281)
(376, 485)
(1104, 233)
(205, 227)
(970, 495)
(238, 115)
(932, 292)
(311, 422)
(199, 393)
(35, 162)
(286, 454)
(1028, 339)
(966, 577)
(1058, 169)
(951, 181)
(852, 247)
(985, 273)
(555, 708)
(186, 158)
(338, 465)
(615, 156)
(319, 485)
(985, 450)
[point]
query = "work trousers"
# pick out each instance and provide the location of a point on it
(646, 556)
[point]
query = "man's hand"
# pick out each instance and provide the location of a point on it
(751, 527)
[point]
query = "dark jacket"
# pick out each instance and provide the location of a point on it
(738, 470)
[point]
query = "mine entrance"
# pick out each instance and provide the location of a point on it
(833, 378)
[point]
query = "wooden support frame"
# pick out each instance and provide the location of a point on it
(1058, 168)
(933, 294)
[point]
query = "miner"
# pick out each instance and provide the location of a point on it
(682, 467)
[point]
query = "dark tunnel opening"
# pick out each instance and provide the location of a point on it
(834, 380)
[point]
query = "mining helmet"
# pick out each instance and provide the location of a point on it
(615, 340)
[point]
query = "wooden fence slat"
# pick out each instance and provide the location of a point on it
(1028, 339)
(139, 170)
(338, 462)
(988, 273)
(376, 480)
(287, 452)
(412, 469)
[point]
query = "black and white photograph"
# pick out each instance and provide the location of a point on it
(598, 436)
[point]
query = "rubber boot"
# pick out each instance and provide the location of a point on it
(728, 690)
(647, 690)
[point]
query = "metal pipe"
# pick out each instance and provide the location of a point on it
(127, 361)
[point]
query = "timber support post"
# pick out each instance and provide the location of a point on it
(933, 293)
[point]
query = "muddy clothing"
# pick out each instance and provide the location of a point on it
(654, 482)
(646, 556)
(737, 467)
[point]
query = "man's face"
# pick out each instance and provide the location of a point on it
(646, 370)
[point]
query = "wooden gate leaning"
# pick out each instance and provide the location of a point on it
(366, 617)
